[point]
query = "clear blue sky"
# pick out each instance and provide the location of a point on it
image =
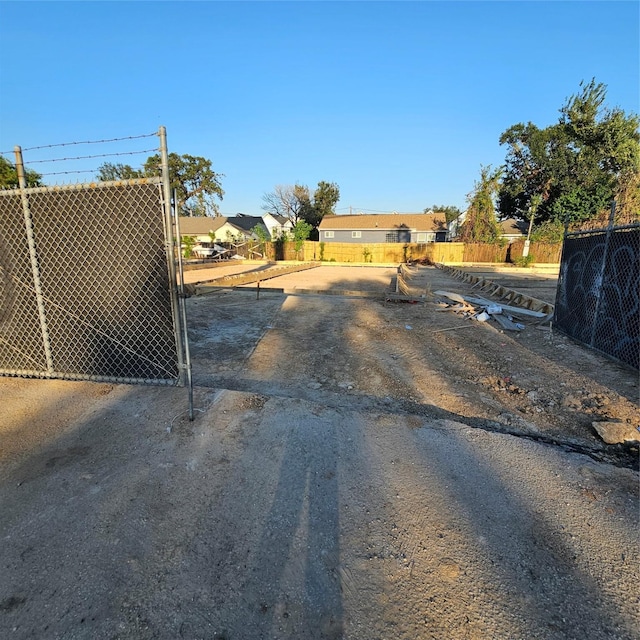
(400, 103)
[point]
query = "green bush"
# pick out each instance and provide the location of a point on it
(523, 261)
(550, 231)
(188, 243)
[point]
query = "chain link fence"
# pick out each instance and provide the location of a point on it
(598, 296)
(85, 288)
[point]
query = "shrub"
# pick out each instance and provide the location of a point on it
(523, 261)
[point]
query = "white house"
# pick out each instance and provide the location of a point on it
(277, 225)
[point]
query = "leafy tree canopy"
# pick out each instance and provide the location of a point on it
(576, 166)
(301, 232)
(197, 185)
(325, 198)
(195, 182)
(110, 171)
(9, 175)
(481, 224)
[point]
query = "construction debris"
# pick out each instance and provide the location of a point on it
(616, 432)
(495, 289)
(484, 310)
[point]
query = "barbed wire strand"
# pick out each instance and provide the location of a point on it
(99, 155)
(67, 144)
(61, 173)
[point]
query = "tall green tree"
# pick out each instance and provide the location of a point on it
(325, 198)
(9, 175)
(197, 185)
(576, 166)
(481, 224)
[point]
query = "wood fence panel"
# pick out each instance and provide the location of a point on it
(383, 252)
(542, 252)
(484, 252)
(396, 253)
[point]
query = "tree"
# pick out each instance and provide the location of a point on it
(301, 231)
(325, 198)
(450, 212)
(196, 183)
(110, 171)
(9, 175)
(294, 202)
(577, 166)
(480, 224)
(290, 201)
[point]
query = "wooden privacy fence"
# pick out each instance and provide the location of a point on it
(373, 253)
(392, 253)
(485, 252)
(541, 251)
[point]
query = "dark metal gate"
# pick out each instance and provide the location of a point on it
(598, 298)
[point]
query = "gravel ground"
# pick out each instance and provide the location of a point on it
(356, 470)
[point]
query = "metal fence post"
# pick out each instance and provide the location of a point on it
(183, 307)
(28, 223)
(185, 375)
(600, 279)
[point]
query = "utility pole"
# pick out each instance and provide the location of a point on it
(535, 203)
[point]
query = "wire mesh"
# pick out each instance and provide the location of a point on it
(598, 298)
(98, 267)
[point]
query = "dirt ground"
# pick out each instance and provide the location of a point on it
(357, 469)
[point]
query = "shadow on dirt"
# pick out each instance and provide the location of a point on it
(328, 498)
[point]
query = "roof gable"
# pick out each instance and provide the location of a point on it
(513, 227)
(246, 223)
(200, 225)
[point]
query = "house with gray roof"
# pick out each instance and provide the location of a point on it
(416, 228)
(513, 229)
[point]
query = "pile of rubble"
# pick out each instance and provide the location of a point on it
(507, 317)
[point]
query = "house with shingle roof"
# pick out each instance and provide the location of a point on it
(513, 229)
(220, 228)
(278, 226)
(375, 228)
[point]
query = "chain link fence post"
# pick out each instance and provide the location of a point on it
(183, 304)
(178, 307)
(35, 268)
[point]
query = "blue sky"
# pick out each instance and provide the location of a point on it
(399, 103)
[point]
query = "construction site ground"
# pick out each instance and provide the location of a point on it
(358, 468)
